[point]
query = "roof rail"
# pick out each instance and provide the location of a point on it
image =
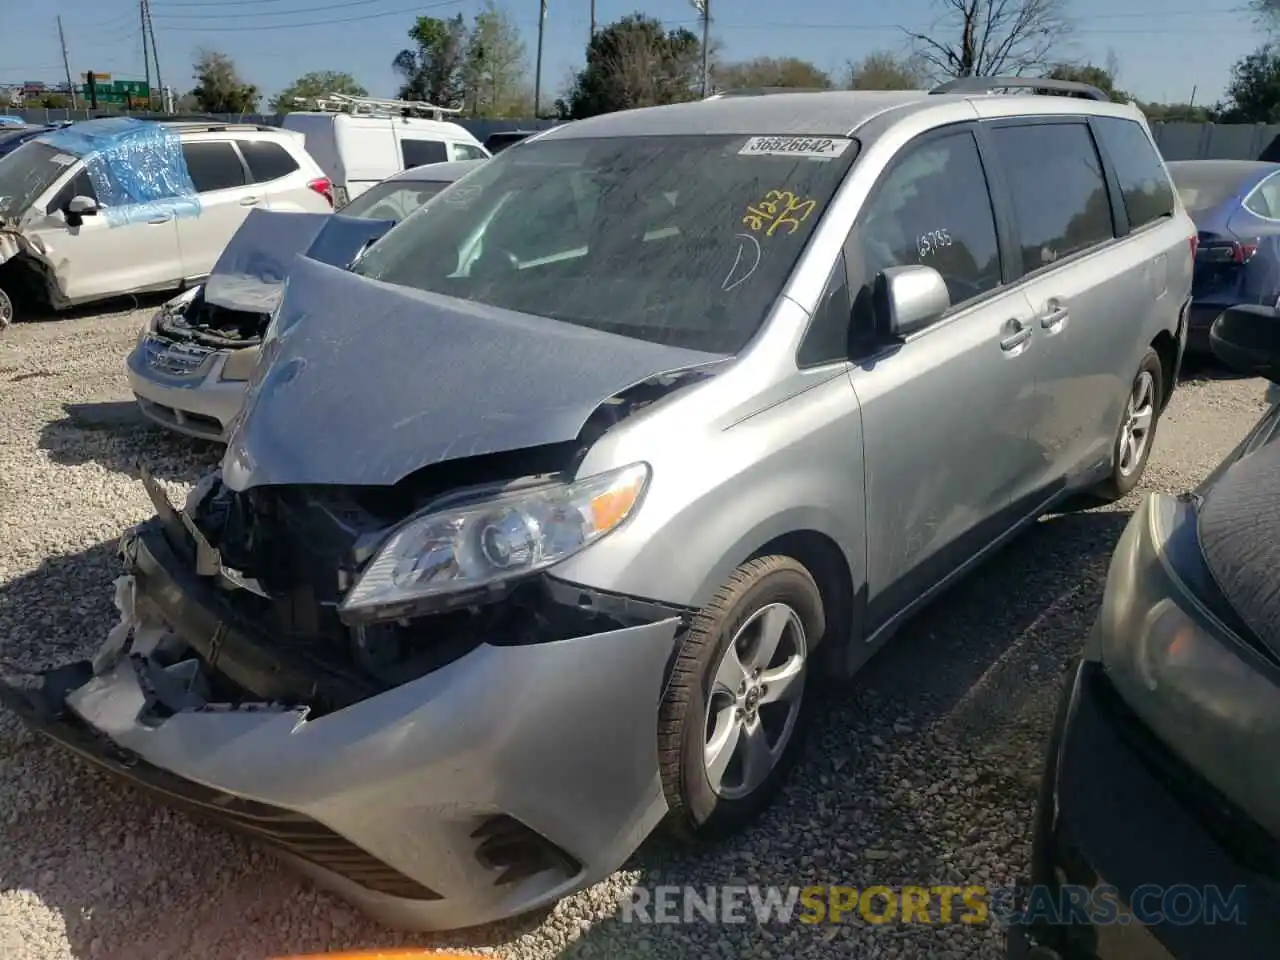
(992, 84)
(375, 106)
(760, 91)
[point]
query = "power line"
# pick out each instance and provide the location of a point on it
(318, 23)
(269, 13)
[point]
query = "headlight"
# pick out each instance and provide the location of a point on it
(483, 545)
(1209, 696)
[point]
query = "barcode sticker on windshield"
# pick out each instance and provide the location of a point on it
(812, 147)
(62, 159)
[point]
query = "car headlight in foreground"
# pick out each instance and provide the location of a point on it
(483, 545)
(1210, 696)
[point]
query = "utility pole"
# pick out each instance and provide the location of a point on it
(537, 74)
(593, 19)
(146, 49)
(706, 47)
(66, 64)
(151, 31)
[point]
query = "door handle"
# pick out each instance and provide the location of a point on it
(1055, 318)
(248, 201)
(1021, 334)
(164, 219)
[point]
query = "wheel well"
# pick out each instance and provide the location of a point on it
(823, 558)
(25, 282)
(1166, 348)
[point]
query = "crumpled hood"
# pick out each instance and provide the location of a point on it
(251, 272)
(363, 382)
(1239, 531)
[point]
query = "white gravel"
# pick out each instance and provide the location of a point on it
(924, 773)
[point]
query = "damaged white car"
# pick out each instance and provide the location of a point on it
(191, 364)
(121, 206)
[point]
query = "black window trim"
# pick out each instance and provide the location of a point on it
(1119, 212)
(248, 174)
(1115, 201)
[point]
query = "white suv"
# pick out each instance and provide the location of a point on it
(107, 207)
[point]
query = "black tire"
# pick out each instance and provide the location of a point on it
(7, 311)
(698, 812)
(1122, 482)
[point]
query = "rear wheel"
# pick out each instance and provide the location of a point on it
(732, 721)
(1137, 430)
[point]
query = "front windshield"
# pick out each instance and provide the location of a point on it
(28, 172)
(393, 199)
(684, 240)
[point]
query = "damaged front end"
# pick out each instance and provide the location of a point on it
(438, 756)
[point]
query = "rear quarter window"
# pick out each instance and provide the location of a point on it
(266, 160)
(1144, 185)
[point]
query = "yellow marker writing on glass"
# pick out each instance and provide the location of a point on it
(778, 208)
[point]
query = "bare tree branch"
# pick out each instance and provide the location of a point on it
(982, 38)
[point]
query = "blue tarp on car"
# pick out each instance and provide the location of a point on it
(136, 167)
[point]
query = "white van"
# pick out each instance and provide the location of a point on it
(360, 141)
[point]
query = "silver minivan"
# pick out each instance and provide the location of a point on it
(539, 523)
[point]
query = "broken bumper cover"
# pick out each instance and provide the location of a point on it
(493, 786)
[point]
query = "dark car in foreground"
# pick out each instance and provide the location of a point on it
(1236, 208)
(1158, 833)
(12, 137)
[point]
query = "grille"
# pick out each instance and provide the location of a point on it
(285, 830)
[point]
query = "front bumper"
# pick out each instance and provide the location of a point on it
(189, 397)
(1119, 810)
(413, 802)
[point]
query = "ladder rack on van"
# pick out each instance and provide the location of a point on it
(377, 107)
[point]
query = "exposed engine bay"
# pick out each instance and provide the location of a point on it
(275, 562)
(210, 325)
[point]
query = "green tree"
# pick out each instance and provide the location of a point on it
(432, 67)
(219, 88)
(321, 83)
(1101, 77)
(1253, 95)
(882, 70)
(495, 69)
(635, 62)
(770, 72)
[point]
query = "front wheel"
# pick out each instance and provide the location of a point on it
(6, 309)
(732, 720)
(1137, 430)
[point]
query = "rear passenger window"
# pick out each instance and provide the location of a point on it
(1058, 190)
(417, 152)
(213, 165)
(933, 209)
(266, 160)
(1144, 185)
(1264, 201)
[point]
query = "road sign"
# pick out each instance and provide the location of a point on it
(96, 76)
(119, 92)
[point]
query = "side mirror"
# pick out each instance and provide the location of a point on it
(83, 206)
(1247, 339)
(908, 299)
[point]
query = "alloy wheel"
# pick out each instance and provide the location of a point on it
(754, 701)
(6, 310)
(1139, 416)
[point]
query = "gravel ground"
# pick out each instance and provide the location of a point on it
(924, 772)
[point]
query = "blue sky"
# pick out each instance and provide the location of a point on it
(1164, 48)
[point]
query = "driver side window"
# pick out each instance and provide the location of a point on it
(934, 209)
(81, 185)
